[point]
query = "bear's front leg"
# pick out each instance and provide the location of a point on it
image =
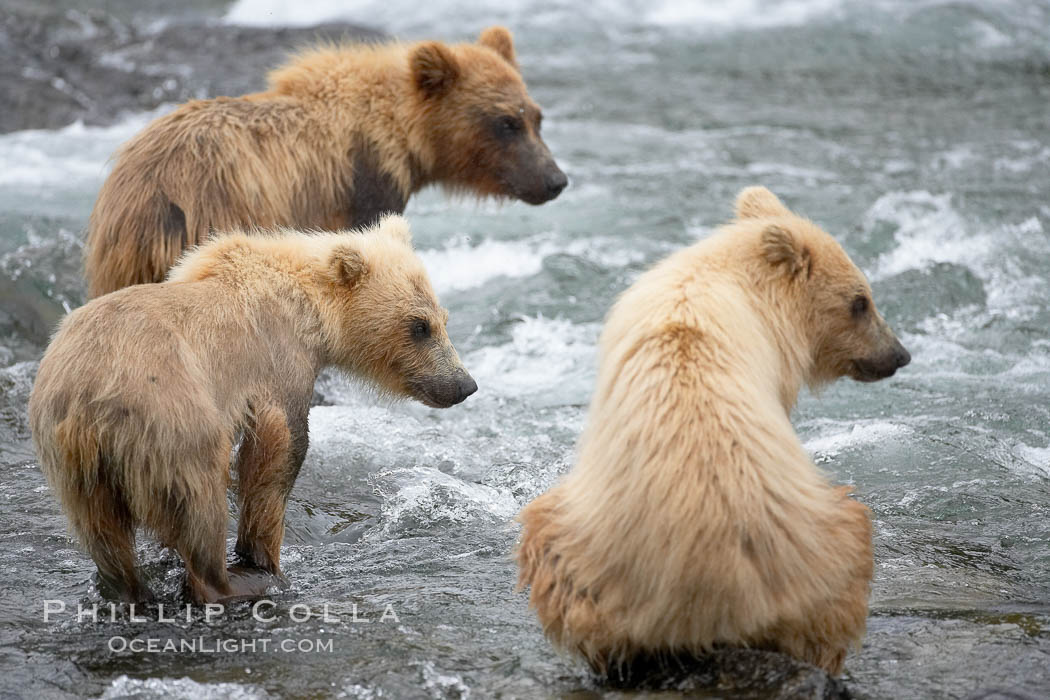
(268, 462)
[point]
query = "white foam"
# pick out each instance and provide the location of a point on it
(859, 434)
(401, 16)
(986, 36)
(553, 357)
(460, 265)
(366, 430)
(935, 351)
(607, 252)
(443, 685)
(955, 158)
(420, 498)
(358, 691)
(394, 16)
(70, 157)
(180, 689)
(1033, 366)
(1035, 460)
(63, 168)
(929, 230)
(1010, 158)
(739, 13)
(463, 266)
(808, 176)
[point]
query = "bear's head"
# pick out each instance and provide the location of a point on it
(813, 275)
(382, 321)
(483, 128)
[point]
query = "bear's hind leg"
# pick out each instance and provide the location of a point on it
(199, 536)
(107, 529)
(268, 462)
(840, 626)
(826, 635)
(192, 518)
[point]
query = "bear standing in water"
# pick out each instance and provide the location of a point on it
(343, 135)
(142, 394)
(694, 517)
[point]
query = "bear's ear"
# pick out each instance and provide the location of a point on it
(347, 266)
(780, 248)
(434, 69)
(757, 203)
(396, 226)
(499, 40)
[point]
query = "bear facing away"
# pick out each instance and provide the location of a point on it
(342, 135)
(693, 517)
(142, 394)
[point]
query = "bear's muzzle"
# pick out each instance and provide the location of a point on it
(443, 392)
(886, 365)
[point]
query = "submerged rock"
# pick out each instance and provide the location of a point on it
(1016, 693)
(733, 673)
(39, 283)
(944, 287)
(16, 383)
(60, 67)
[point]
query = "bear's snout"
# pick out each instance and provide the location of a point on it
(556, 182)
(872, 369)
(547, 184)
(532, 175)
(903, 356)
(443, 392)
(465, 386)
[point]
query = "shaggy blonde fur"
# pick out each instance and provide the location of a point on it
(694, 517)
(143, 393)
(342, 135)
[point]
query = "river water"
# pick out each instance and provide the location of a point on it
(916, 132)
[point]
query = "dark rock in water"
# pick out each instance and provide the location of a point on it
(733, 673)
(943, 287)
(58, 67)
(16, 382)
(39, 283)
(27, 321)
(1017, 693)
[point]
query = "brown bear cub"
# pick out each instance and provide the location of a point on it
(143, 393)
(693, 517)
(342, 135)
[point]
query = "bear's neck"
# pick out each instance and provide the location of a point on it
(786, 329)
(364, 104)
(386, 167)
(280, 309)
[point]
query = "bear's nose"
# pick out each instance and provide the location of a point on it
(902, 356)
(465, 387)
(556, 182)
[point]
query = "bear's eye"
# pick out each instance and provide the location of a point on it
(510, 125)
(860, 305)
(421, 329)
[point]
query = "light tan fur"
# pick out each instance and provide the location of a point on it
(142, 393)
(693, 517)
(342, 135)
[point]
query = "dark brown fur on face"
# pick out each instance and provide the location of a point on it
(501, 153)
(143, 393)
(343, 135)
